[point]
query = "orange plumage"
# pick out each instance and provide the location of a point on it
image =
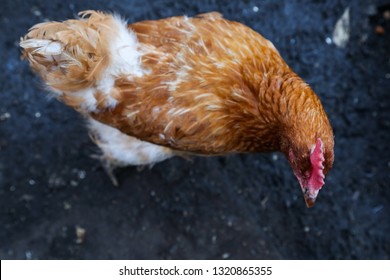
(203, 85)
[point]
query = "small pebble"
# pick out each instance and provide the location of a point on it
(36, 11)
(387, 75)
(306, 229)
(74, 183)
(82, 174)
(255, 9)
(31, 182)
(264, 202)
(328, 40)
(225, 255)
(377, 209)
(28, 255)
(380, 30)
(5, 116)
(37, 115)
(355, 195)
(386, 15)
(67, 205)
(80, 234)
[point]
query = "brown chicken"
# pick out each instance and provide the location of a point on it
(182, 86)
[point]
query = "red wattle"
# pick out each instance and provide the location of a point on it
(316, 179)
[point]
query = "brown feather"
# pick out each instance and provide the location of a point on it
(213, 86)
(214, 82)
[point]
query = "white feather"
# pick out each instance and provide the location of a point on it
(125, 150)
(44, 47)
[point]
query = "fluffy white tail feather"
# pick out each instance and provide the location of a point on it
(44, 47)
(79, 60)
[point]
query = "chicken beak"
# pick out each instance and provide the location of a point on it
(310, 197)
(309, 201)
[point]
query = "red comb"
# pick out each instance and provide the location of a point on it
(316, 179)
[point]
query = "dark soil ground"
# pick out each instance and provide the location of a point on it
(237, 207)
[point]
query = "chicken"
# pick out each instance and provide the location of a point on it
(182, 86)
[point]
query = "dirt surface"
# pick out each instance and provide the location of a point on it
(237, 207)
